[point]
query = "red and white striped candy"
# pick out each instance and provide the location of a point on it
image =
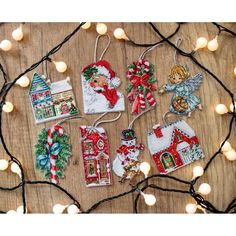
(51, 132)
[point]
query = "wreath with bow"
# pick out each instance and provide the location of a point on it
(60, 148)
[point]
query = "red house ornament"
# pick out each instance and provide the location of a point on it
(173, 146)
(95, 152)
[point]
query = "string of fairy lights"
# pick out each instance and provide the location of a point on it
(142, 186)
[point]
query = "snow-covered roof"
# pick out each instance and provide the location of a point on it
(158, 144)
(99, 130)
(60, 86)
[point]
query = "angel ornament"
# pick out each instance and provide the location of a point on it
(183, 85)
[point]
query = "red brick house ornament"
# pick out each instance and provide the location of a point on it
(173, 146)
(95, 152)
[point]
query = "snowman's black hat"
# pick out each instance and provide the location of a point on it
(128, 134)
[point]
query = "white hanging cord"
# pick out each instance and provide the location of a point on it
(95, 123)
(165, 117)
(71, 118)
(178, 42)
(96, 46)
(135, 118)
(149, 49)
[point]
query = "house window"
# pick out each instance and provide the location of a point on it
(100, 144)
(91, 168)
(88, 147)
(103, 168)
(178, 137)
(48, 112)
(167, 160)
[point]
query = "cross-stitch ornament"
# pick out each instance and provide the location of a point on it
(52, 152)
(140, 90)
(126, 163)
(173, 145)
(183, 85)
(99, 85)
(183, 101)
(51, 101)
(95, 152)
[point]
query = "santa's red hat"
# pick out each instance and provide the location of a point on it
(100, 67)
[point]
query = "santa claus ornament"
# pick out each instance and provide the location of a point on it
(99, 85)
(95, 153)
(173, 145)
(183, 85)
(126, 163)
(140, 90)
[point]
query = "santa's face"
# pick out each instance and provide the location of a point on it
(128, 143)
(97, 82)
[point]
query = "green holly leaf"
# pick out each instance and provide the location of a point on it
(129, 88)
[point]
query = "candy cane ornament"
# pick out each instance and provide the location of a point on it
(53, 169)
(140, 74)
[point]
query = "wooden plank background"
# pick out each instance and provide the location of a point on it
(20, 131)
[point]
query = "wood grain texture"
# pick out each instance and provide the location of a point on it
(20, 131)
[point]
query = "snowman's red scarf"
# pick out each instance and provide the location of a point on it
(110, 94)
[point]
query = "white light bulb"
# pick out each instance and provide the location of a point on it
(145, 168)
(191, 208)
(73, 209)
(119, 33)
(11, 212)
(8, 107)
(6, 45)
(3, 164)
(23, 81)
(86, 25)
(221, 109)
(20, 210)
(213, 44)
(58, 208)
(101, 28)
(149, 199)
(204, 189)
(231, 107)
(15, 168)
(17, 34)
(198, 171)
(230, 155)
(60, 66)
(201, 43)
(226, 147)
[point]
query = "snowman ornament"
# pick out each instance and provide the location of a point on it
(126, 162)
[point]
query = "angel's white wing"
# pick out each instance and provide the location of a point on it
(194, 82)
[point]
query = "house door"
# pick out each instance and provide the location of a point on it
(167, 161)
(103, 167)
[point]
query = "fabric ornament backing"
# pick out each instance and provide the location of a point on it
(173, 146)
(50, 101)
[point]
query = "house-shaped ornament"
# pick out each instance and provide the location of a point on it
(173, 146)
(95, 152)
(51, 101)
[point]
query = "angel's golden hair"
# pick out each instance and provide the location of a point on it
(178, 70)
